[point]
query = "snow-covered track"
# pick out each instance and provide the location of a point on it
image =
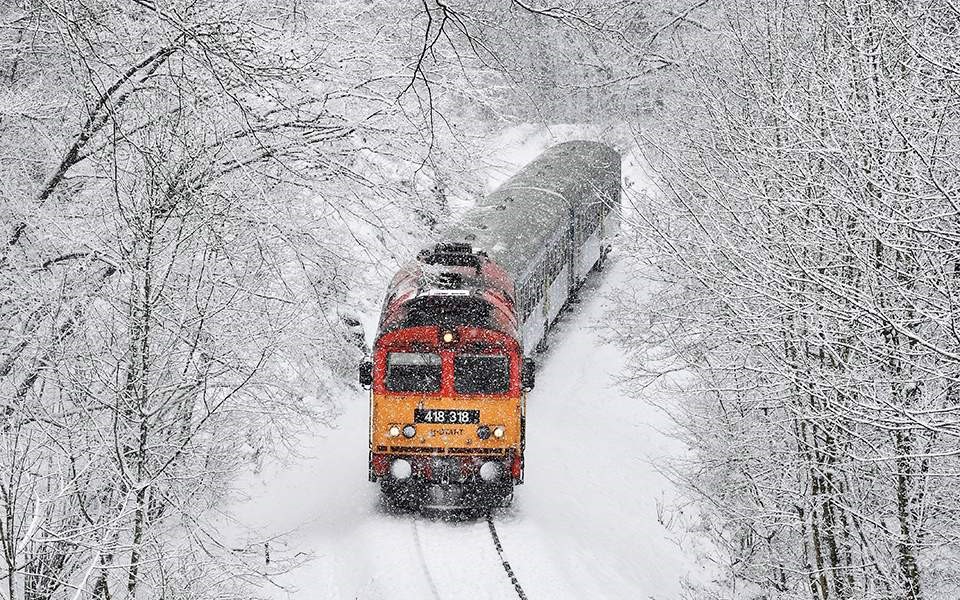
(503, 559)
(473, 536)
(423, 561)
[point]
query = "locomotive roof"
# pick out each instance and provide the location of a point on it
(455, 289)
(517, 220)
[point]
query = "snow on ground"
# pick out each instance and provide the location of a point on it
(586, 524)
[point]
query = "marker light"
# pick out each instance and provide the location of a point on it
(483, 432)
(498, 431)
(409, 431)
(449, 336)
(393, 431)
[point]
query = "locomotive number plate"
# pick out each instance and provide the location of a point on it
(448, 416)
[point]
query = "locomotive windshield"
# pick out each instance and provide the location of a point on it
(481, 374)
(413, 372)
(448, 311)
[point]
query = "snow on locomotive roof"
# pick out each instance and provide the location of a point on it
(515, 222)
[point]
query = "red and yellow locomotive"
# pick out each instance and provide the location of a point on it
(448, 379)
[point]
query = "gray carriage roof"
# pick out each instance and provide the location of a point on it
(515, 222)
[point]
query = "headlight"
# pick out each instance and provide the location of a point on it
(483, 432)
(498, 431)
(393, 431)
(409, 431)
(490, 471)
(401, 469)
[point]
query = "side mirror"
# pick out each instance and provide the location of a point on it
(528, 374)
(366, 374)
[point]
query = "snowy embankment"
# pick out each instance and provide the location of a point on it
(591, 521)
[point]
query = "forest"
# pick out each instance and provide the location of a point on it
(182, 189)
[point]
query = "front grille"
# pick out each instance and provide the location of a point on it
(416, 450)
(423, 450)
(483, 451)
(446, 469)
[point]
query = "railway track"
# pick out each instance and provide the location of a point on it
(503, 559)
(423, 561)
(434, 576)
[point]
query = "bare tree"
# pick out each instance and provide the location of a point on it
(807, 243)
(174, 257)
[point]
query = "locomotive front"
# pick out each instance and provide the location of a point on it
(448, 383)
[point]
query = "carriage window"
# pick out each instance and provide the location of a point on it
(413, 372)
(481, 374)
(528, 301)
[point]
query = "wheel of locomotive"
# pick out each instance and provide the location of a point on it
(500, 496)
(391, 502)
(398, 498)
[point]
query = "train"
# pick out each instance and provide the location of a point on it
(452, 361)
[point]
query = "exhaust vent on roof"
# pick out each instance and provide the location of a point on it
(451, 254)
(453, 247)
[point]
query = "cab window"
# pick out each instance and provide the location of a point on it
(413, 372)
(481, 374)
